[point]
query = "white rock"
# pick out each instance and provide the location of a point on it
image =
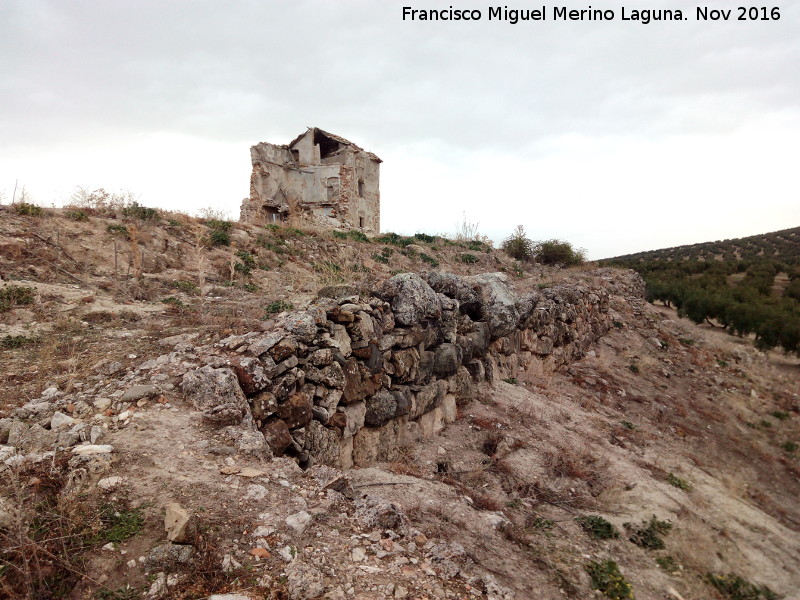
(358, 554)
(255, 492)
(109, 483)
(60, 420)
(92, 449)
(299, 521)
(102, 403)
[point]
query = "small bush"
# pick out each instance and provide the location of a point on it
(340, 235)
(518, 246)
(667, 563)
(780, 415)
(597, 527)
(737, 588)
(118, 230)
(628, 425)
(633, 368)
(119, 525)
(15, 295)
(468, 259)
(137, 211)
(607, 579)
(511, 380)
(381, 258)
(558, 252)
(10, 342)
(649, 534)
(187, 287)
(357, 236)
(424, 237)
(278, 306)
(219, 225)
(429, 259)
(394, 239)
(686, 341)
(247, 264)
(28, 210)
(78, 215)
(219, 238)
(679, 483)
(789, 447)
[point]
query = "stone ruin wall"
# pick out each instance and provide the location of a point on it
(352, 379)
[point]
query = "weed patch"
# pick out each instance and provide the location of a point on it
(28, 210)
(676, 481)
(650, 534)
(597, 527)
(11, 342)
(468, 259)
(607, 578)
(278, 306)
(15, 295)
(737, 588)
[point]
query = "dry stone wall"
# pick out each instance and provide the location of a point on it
(352, 379)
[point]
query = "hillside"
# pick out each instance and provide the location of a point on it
(782, 246)
(749, 286)
(515, 431)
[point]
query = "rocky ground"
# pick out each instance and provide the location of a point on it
(675, 446)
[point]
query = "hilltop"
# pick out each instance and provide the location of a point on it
(782, 246)
(577, 441)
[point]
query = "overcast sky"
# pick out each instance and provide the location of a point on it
(615, 135)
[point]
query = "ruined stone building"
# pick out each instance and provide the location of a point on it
(317, 179)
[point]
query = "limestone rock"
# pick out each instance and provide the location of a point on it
(305, 581)
(411, 298)
(302, 325)
(380, 408)
(254, 375)
(176, 522)
(216, 392)
(499, 302)
(137, 392)
(59, 420)
(322, 443)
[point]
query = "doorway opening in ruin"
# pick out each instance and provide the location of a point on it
(361, 222)
(272, 214)
(361, 188)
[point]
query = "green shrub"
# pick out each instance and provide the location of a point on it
(394, 239)
(628, 425)
(28, 210)
(780, 415)
(10, 342)
(15, 295)
(118, 230)
(357, 236)
(119, 525)
(737, 588)
(633, 368)
(424, 237)
(469, 259)
(597, 527)
(187, 287)
(137, 211)
(607, 579)
(518, 246)
(278, 306)
(248, 262)
(429, 259)
(340, 235)
(649, 534)
(789, 447)
(77, 215)
(668, 564)
(558, 252)
(381, 258)
(679, 483)
(219, 238)
(219, 225)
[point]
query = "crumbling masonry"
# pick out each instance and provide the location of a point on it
(319, 179)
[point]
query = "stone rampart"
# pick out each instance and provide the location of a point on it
(352, 379)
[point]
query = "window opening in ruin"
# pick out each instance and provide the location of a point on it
(361, 222)
(361, 188)
(327, 146)
(332, 185)
(296, 156)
